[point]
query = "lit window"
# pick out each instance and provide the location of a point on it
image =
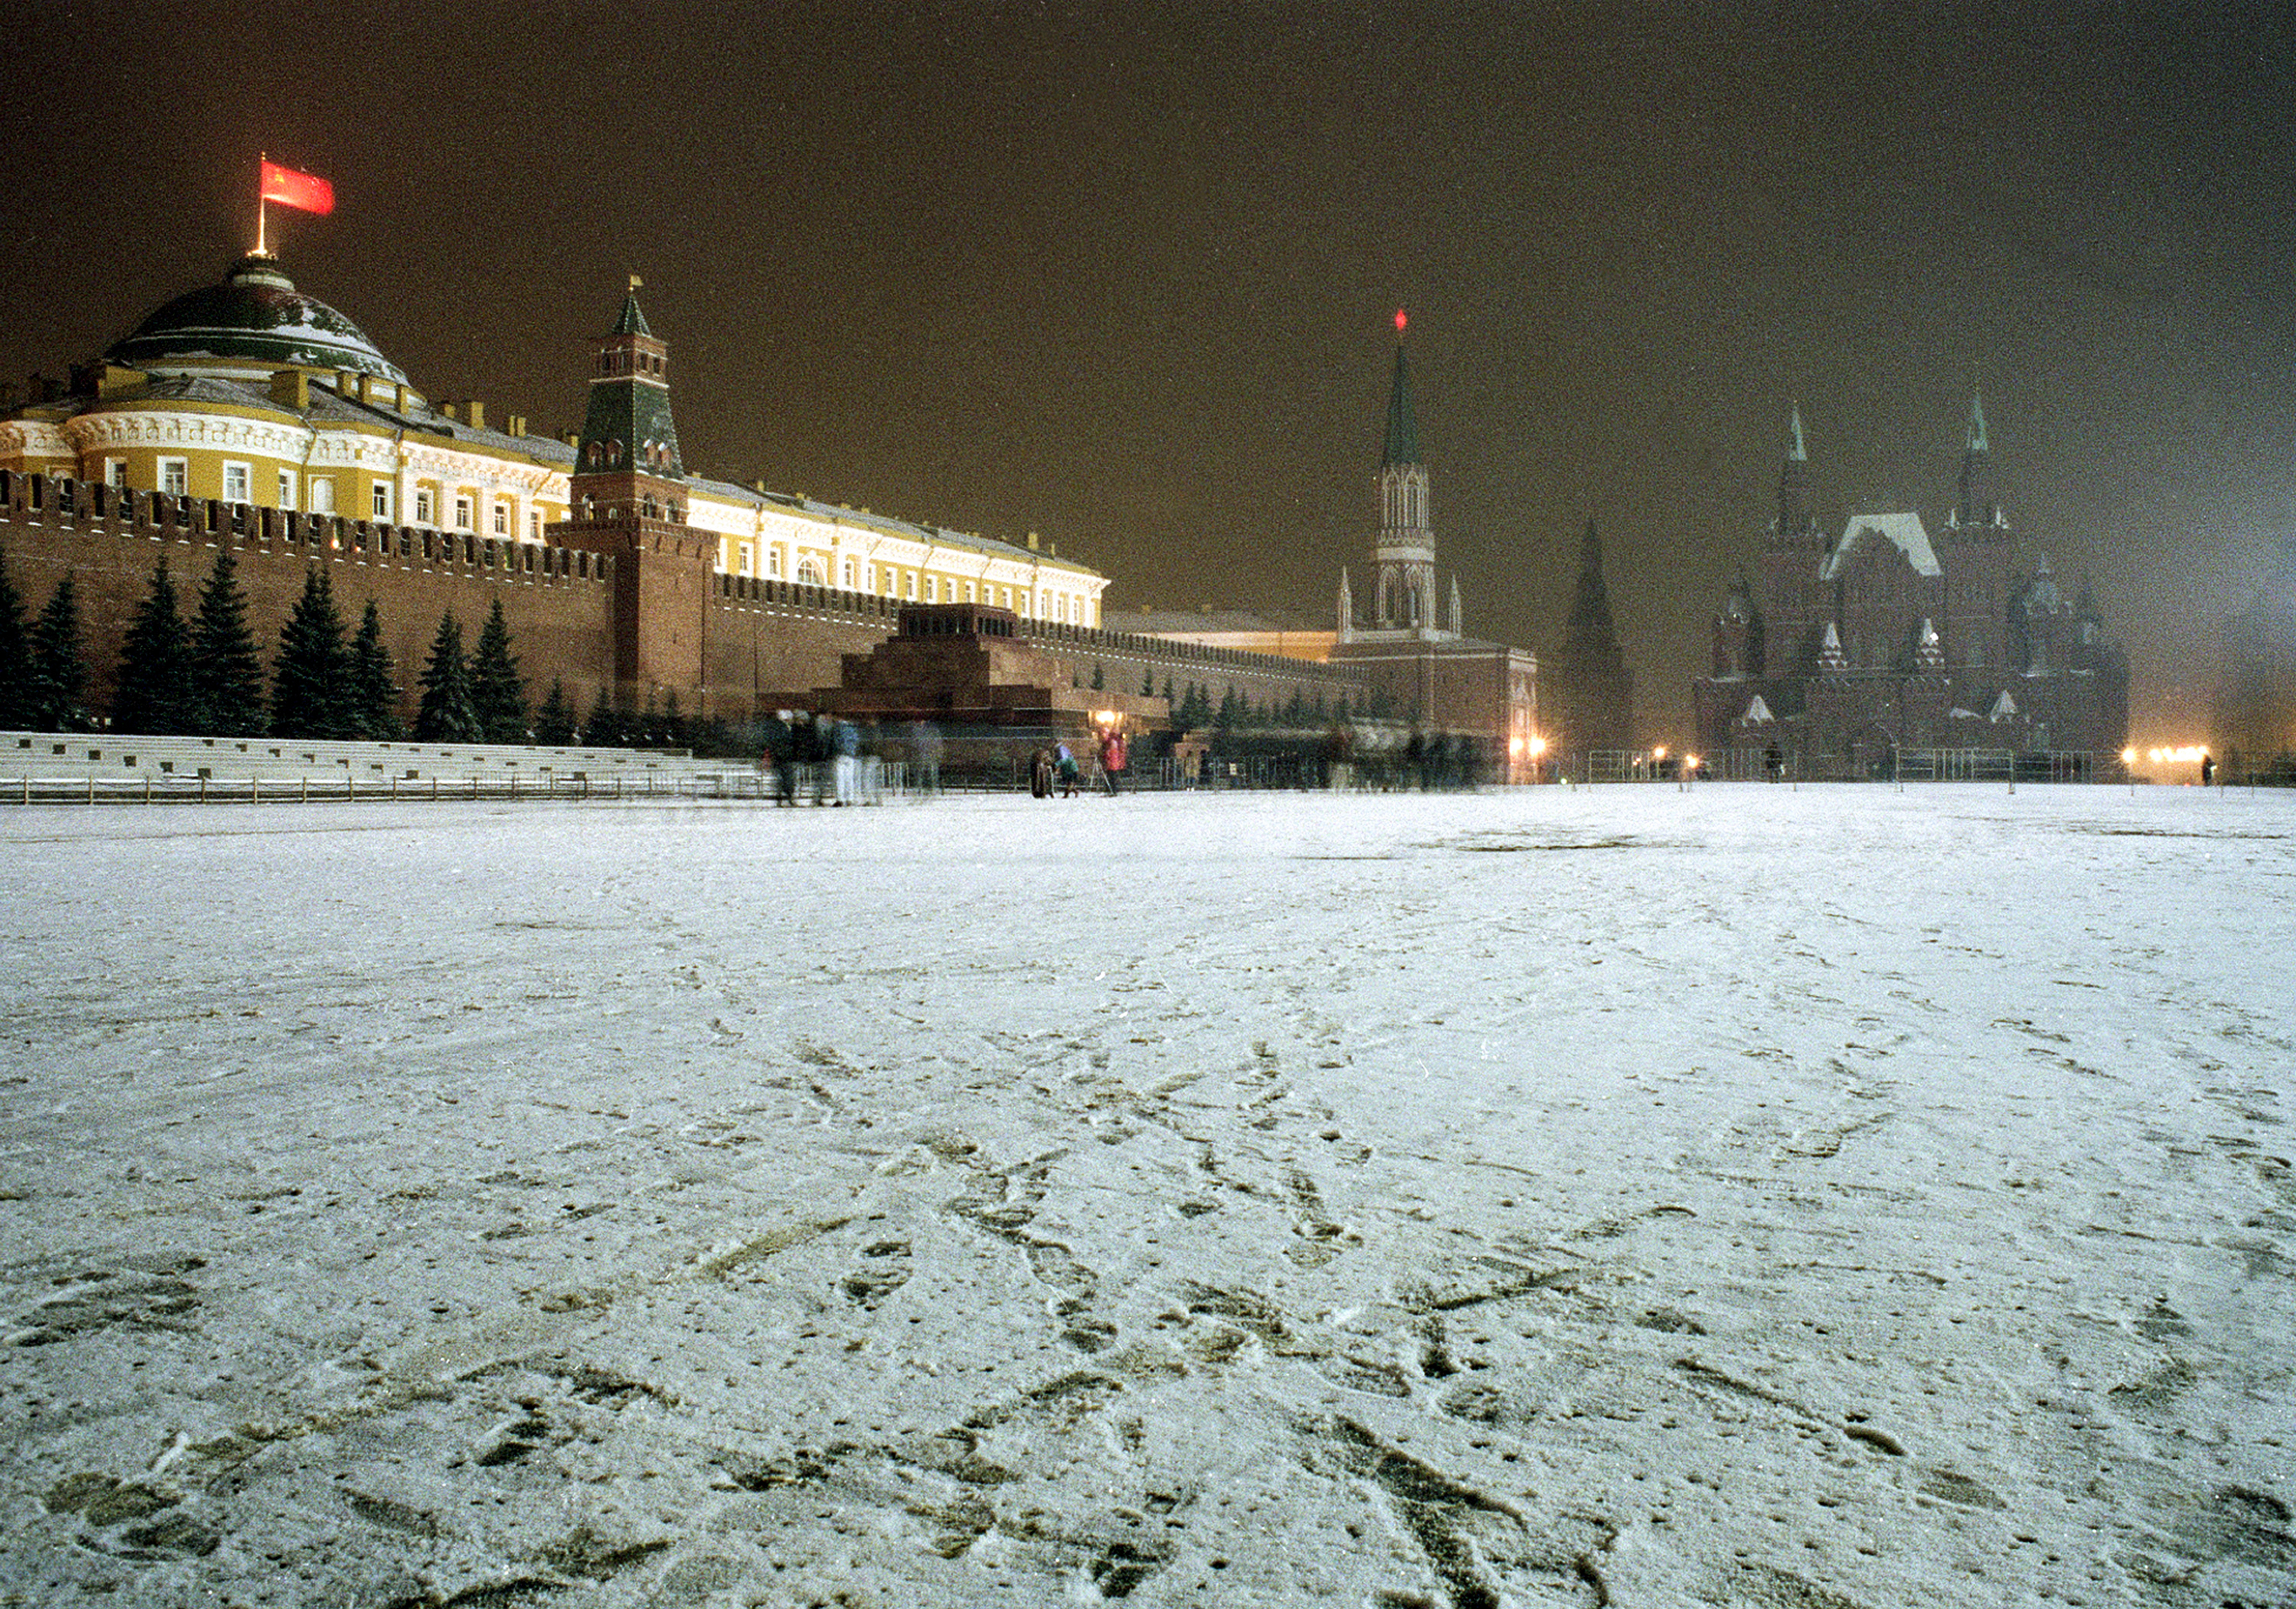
(382, 504)
(115, 474)
(462, 513)
(502, 519)
(322, 497)
(424, 511)
(287, 488)
(235, 481)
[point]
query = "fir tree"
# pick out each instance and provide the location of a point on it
(1230, 709)
(497, 691)
(58, 678)
(1148, 684)
(310, 678)
(645, 732)
(603, 729)
(226, 669)
(154, 689)
(373, 681)
(1168, 694)
(553, 722)
(446, 715)
(1099, 677)
(15, 653)
(674, 731)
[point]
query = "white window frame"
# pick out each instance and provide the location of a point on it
(287, 489)
(534, 525)
(774, 560)
(968, 592)
(115, 474)
(852, 574)
(909, 585)
(748, 558)
(379, 502)
(465, 508)
(173, 477)
(425, 507)
(323, 495)
(501, 518)
(238, 481)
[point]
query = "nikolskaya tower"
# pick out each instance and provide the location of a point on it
(1402, 556)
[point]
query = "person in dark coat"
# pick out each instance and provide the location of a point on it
(1040, 774)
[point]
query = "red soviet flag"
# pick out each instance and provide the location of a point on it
(290, 188)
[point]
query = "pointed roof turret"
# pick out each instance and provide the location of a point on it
(1402, 427)
(1794, 522)
(1590, 631)
(632, 322)
(1975, 507)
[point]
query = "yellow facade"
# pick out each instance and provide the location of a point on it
(228, 393)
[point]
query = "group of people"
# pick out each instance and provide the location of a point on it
(826, 754)
(1057, 767)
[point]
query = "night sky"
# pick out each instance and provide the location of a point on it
(1126, 275)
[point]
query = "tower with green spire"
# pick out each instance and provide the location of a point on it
(1403, 557)
(629, 496)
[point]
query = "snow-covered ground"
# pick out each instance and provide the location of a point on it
(1818, 1198)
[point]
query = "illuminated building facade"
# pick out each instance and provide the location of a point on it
(1847, 651)
(262, 400)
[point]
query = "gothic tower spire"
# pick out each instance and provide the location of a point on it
(1794, 521)
(1976, 505)
(1404, 555)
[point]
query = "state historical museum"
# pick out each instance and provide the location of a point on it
(1893, 650)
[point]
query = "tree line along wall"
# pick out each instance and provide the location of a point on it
(557, 604)
(765, 643)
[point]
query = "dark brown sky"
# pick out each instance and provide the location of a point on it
(1125, 274)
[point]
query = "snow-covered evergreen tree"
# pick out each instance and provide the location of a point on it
(553, 720)
(373, 681)
(310, 678)
(226, 667)
(154, 689)
(58, 681)
(603, 729)
(15, 653)
(446, 714)
(497, 691)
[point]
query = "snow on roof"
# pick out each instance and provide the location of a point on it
(2004, 708)
(1757, 712)
(1902, 530)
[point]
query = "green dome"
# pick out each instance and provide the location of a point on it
(255, 317)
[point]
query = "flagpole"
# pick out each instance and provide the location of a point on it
(262, 216)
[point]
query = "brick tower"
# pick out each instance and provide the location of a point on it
(628, 495)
